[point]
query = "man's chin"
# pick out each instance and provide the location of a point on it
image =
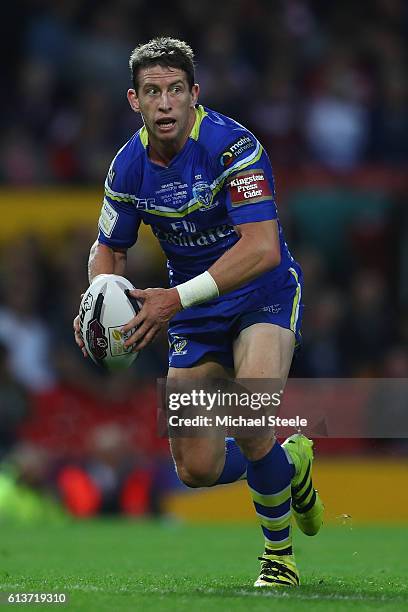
(168, 136)
(173, 141)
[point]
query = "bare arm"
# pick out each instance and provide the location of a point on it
(256, 252)
(104, 260)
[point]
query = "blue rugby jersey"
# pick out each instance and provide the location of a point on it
(222, 177)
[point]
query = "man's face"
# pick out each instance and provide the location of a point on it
(165, 101)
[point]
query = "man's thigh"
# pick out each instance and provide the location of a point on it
(198, 458)
(264, 350)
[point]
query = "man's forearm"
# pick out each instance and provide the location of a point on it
(241, 264)
(256, 252)
(104, 260)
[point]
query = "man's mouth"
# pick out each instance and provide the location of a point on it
(165, 124)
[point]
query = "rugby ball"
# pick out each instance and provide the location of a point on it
(105, 307)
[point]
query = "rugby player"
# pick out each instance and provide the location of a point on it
(204, 184)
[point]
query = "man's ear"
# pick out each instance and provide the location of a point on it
(133, 100)
(195, 91)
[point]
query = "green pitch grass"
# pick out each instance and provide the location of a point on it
(122, 565)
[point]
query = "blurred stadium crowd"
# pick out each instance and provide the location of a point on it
(323, 85)
(314, 79)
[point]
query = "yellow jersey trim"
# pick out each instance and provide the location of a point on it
(200, 113)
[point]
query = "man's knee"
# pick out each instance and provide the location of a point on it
(199, 461)
(195, 474)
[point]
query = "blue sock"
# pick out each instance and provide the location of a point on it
(269, 480)
(235, 463)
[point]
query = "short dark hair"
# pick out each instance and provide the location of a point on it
(163, 51)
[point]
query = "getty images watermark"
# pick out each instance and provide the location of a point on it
(233, 407)
(219, 400)
(318, 408)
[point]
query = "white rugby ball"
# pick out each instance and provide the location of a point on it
(104, 309)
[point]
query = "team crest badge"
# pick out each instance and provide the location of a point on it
(204, 195)
(179, 346)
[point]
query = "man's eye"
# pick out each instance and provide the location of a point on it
(176, 89)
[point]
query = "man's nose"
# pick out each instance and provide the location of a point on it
(165, 101)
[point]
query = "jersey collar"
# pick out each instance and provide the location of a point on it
(200, 114)
(194, 134)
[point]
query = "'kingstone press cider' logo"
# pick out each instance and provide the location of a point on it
(204, 195)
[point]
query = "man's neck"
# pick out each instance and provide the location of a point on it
(162, 153)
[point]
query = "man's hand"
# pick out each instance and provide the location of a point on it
(158, 307)
(78, 336)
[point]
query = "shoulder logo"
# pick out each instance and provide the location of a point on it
(235, 149)
(108, 218)
(204, 195)
(111, 175)
(249, 187)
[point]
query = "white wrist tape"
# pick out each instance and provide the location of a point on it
(199, 289)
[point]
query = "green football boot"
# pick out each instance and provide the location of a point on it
(307, 507)
(277, 571)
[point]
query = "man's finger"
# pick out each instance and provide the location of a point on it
(78, 338)
(81, 344)
(135, 322)
(139, 294)
(145, 340)
(138, 334)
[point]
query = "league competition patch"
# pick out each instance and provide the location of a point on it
(108, 218)
(249, 187)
